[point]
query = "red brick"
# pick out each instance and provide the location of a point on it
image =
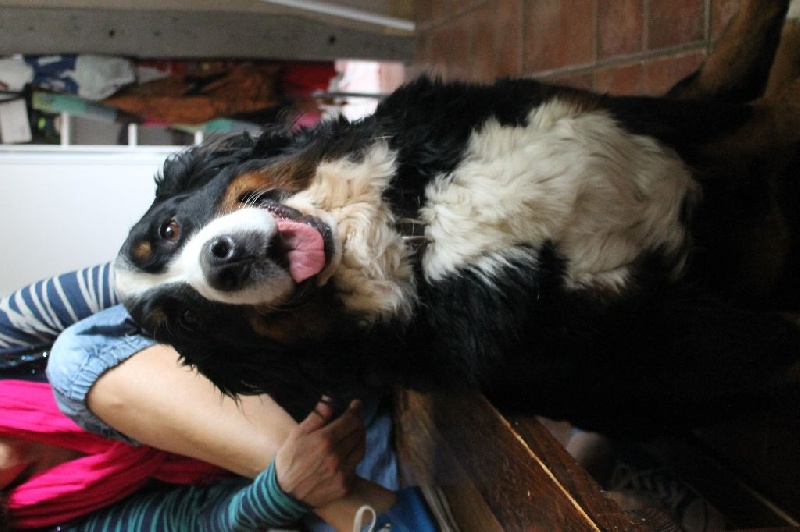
(462, 5)
(674, 22)
(423, 12)
(661, 74)
(428, 12)
(473, 41)
(620, 27)
(558, 34)
(433, 52)
(423, 54)
(722, 11)
(453, 46)
(505, 54)
(418, 68)
(581, 81)
(625, 79)
(479, 44)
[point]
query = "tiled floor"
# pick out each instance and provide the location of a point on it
(619, 46)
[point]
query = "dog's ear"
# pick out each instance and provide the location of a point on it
(272, 141)
(194, 167)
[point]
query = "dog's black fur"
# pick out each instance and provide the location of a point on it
(692, 334)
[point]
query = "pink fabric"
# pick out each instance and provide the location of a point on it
(110, 471)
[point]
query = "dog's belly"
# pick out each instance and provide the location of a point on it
(570, 177)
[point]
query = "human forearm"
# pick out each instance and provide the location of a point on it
(232, 504)
(154, 400)
(183, 413)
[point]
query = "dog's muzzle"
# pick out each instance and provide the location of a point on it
(227, 260)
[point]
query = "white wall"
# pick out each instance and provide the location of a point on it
(60, 212)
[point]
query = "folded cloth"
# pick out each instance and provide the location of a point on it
(110, 470)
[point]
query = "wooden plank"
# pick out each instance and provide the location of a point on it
(191, 34)
(746, 506)
(764, 452)
(581, 486)
(498, 474)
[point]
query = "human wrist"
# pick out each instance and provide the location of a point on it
(284, 500)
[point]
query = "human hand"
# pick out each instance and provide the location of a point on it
(316, 464)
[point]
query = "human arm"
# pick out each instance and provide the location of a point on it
(237, 504)
(32, 317)
(152, 398)
(182, 412)
(242, 435)
(207, 425)
(196, 507)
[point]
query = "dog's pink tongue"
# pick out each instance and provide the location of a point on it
(306, 249)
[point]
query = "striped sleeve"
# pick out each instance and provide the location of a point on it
(32, 317)
(232, 505)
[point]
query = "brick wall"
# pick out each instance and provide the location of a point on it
(618, 46)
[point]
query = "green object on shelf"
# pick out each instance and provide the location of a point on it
(220, 125)
(74, 105)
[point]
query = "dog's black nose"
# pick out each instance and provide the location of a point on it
(226, 261)
(223, 249)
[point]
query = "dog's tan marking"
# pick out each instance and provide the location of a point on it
(290, 328)
(158, 318)
(143, 251)
(291, 175)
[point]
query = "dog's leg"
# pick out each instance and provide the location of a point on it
(738, 67)
(786, 66)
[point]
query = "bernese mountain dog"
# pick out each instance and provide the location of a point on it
(615, 261)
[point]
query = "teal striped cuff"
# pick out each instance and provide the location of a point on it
(285, 503)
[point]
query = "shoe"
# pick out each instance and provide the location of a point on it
(409, 514)
(643, 479)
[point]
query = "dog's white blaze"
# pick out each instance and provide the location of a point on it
(573, 177)
(186, 268)
(373, 274)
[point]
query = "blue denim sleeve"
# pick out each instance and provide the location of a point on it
(82, 353)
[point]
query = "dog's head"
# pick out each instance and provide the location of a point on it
(258, 252)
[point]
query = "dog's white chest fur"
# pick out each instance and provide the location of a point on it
(574, 178)
(571, 177)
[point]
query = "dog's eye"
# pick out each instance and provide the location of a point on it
(170, 231)
(189, 320)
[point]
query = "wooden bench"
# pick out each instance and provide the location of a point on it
(482, 471)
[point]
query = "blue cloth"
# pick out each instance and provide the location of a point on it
(82, 353)
(54, 72)
(409, 514)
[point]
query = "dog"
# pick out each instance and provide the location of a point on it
(615, 261)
